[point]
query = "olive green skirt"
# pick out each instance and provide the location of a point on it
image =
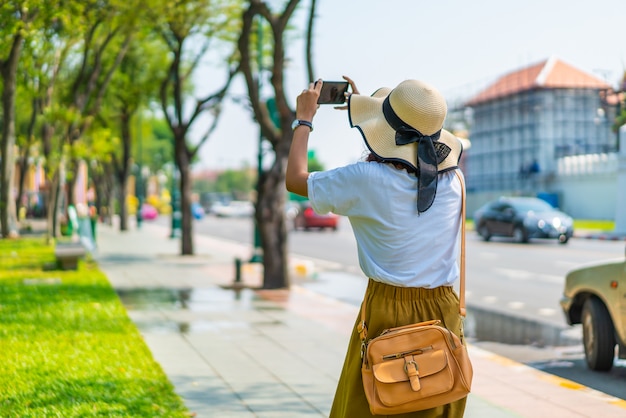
(386, 307)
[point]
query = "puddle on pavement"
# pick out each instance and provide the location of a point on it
(192, 299)
(193, 327)
(199, 326)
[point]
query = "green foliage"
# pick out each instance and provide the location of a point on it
(68, 346)
(314, 163)
(157, 144)
(239, 182)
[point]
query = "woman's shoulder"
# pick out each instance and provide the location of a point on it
(359, 168)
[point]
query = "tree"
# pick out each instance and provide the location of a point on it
(132, 88)
(18, 19)
(44, 53)
(271, 193)
(184, 22)
(309, 41)
(75, 45)
(24, 22)
(106, 30)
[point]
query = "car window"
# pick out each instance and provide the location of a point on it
(535, 205)
(507, 209)
(498, 206)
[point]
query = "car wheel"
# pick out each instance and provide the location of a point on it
(520, 235)
(483, 231)
(563, 239)
(598, 335)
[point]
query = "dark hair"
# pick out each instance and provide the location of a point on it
(371, 157)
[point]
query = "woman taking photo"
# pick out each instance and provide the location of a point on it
(404, 206)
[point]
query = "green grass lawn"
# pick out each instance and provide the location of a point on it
(579, 225)
(594, 225)
(67, 346)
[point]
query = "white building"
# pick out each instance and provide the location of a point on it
(545, 130)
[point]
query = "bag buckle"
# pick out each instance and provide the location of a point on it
(412, 371)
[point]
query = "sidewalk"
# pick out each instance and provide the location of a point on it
(279, 353)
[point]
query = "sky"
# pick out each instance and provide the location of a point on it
(457, 46)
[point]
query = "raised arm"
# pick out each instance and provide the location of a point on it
(297, 163)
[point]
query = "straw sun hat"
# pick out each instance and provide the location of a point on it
(405, 125)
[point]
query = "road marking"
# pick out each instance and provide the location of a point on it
(546, 311)
(528, 275)
(489, 255)
(515, 274)
(567, 264)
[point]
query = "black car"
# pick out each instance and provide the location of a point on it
(522, 218)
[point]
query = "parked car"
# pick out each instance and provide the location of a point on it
(148, 212)
(594, 297)
(307, 218)
(235, 208)
(522, 218)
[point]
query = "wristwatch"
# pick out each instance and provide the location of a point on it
(299, 122)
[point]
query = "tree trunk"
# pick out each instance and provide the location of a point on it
(121, 195)
(184, 166)
(270, 216)
(53, 205)
(108, 217)
(124, 170)
(23, 172)
(8, 69)
(70, 183)
(25, 155)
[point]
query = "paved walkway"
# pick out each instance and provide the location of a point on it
(279, 353)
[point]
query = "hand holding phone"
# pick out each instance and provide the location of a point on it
(333, 92)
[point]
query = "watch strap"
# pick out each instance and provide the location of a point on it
(300, 122)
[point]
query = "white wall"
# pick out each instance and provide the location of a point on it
(586, 185)
(588, 197)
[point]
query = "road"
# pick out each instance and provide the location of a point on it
(526, 279)
(520, 279)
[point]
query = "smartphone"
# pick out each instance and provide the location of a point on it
(333, 92)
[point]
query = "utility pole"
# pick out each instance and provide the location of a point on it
(175, 202)
(138, 178)
(257, 256)
(620, 212)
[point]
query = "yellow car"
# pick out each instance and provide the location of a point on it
(595, 296)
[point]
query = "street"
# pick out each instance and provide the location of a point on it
(526, 279)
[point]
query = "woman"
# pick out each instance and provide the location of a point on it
(404, 206)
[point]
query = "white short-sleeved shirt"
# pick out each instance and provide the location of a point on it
(395, 245)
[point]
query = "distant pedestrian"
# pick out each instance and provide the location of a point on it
(404, 206)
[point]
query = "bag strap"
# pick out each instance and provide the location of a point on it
(362, 327)
(462, 260)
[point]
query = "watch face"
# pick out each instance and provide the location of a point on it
(295, 124)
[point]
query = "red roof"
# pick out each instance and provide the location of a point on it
(549, 74)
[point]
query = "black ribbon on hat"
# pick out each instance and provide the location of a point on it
(426, 156)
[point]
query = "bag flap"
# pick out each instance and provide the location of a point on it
(428, 363)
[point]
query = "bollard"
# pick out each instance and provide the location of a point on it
(237, 270)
